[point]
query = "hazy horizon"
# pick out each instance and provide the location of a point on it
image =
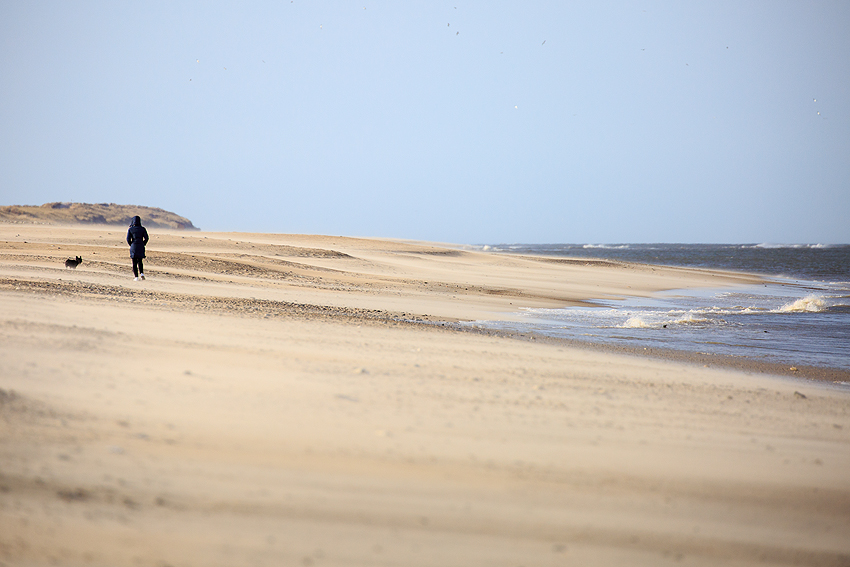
(465, 122)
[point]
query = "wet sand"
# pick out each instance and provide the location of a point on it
(804, 374)
(305, 400)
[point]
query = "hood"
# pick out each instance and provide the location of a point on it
(137, 221)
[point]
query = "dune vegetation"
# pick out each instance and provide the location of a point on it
(93, 213)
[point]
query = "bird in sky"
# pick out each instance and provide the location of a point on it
(544, 42)
(197, 60)
(458, 33)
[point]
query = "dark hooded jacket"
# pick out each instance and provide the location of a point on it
(137, 237)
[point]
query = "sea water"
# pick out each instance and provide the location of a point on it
(801, 316)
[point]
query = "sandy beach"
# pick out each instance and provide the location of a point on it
(305, 400)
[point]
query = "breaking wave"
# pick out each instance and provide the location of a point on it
(808, 304)
(691, 319)
(767, 245)
(652, 321)
(635, 323)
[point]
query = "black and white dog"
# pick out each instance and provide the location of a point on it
(69, 263)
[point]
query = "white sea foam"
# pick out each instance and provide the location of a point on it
(607, 246)
(769, 245)
(690, 319)
(795, 246)
(810, 304)
(635, 323)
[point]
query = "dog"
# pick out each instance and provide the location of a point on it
(69, 263)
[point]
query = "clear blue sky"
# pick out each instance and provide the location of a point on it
(450, 121)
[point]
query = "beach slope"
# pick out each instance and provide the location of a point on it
(299, 400)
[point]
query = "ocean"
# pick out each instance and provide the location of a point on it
(800, 317)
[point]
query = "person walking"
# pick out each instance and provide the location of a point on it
(137, 237)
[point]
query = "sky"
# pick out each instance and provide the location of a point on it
(466, 122)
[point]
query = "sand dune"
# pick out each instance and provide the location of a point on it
(294, 400)
(92, 213)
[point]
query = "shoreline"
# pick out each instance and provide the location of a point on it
(802, 373)
(413, 315)
(271, 310)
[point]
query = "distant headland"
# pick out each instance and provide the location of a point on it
(98, 213)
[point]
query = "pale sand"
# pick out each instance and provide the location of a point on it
(260, 400)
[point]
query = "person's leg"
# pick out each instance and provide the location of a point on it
(136, 267)
(141, 268)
